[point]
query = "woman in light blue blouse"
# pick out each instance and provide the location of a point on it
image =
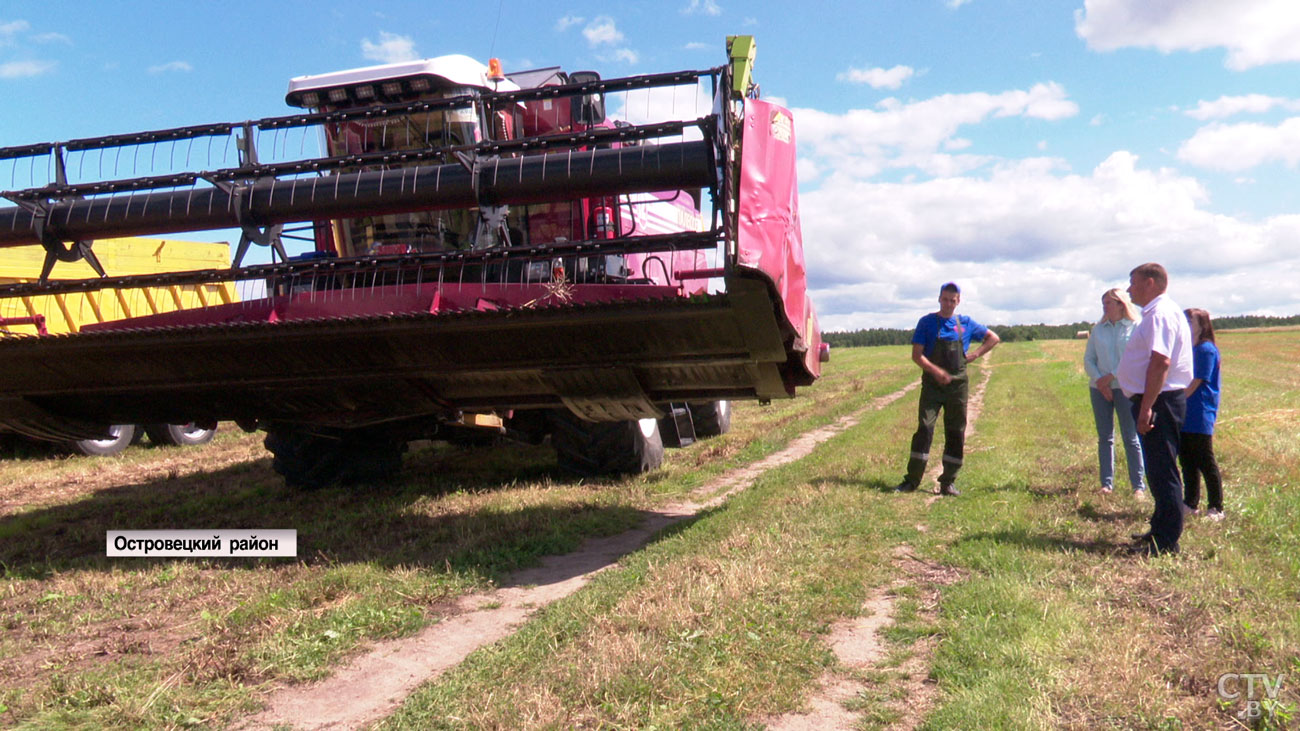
(1100, 360)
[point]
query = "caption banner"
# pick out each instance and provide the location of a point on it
(187, 543)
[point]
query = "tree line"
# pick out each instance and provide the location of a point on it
(1012, 333)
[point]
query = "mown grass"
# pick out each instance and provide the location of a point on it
(156, 643)
(1050, 625)
(1039, 622)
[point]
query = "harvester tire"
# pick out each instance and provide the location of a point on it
(593, 449)
(121, 437)
(711, 418)
(312, 462)
(179, 435)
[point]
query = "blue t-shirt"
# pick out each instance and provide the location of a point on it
(1203, 404)
(932, 325)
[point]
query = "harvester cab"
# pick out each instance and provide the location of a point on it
(606, 263)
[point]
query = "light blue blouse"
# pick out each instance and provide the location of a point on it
(1105, 347)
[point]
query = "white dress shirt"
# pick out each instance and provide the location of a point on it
(1163, 330)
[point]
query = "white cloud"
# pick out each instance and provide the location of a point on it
(1236, 147)
(11, 29)
(601, 31)
(705, 7)
(25, 69)
(1034, 242)
(568, 21)
(864, 142)
(697, 46)
(1254, 32)
(626, 55)
(1228, 106)
(180, 66)
(877, 78)
(954, 4)
(52, 38)
(391, 48)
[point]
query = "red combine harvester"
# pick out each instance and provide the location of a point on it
(494, 254)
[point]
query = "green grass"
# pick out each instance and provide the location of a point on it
(1018, 607)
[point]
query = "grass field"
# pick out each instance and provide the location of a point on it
(1025, 615)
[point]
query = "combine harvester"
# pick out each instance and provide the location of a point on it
(494, 254)
(68, 312)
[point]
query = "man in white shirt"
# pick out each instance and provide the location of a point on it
(1154, 370)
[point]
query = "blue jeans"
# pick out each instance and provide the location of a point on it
(1105, 412)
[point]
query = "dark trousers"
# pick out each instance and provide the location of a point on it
(1160, 457)
(1196, 455)
(952, 400)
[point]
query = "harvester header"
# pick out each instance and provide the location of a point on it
(558, 253)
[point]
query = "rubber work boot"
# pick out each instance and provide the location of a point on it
(905, 486)
(948, 488)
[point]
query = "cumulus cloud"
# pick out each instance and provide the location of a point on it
(25, 69)
(703, 7)
(862, 143)
(1236, 147)
(1254, 32)
(1229, 106)
(178, 66)
(602, 31)
(877, 78)
(390, 48)
(1032, 242)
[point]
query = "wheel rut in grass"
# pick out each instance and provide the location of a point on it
(859, 646)
(374, 684)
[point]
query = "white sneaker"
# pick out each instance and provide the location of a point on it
(1214, 515)
(1189, 510)
(1140, 495)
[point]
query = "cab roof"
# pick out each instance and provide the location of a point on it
(442, 71)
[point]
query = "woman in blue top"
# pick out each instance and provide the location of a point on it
(1196, 447)
(1100, 360)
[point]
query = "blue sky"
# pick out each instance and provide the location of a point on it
(1033, 150)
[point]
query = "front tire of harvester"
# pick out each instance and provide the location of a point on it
(121, 437)
(312, 462)
(711, 418)
(592, 449)
(179, 435)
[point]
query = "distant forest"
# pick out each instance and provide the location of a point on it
(1012, 333)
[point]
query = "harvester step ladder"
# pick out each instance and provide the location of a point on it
(679, 417)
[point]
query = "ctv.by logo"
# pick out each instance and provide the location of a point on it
(1261, 693)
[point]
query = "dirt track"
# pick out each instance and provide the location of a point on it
(373, 685)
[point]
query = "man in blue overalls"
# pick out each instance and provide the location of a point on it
(939, 347)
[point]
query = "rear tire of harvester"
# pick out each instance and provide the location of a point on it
(592, 449)
(711, 418)
(311, 462)
(121, 437)
(179, 435)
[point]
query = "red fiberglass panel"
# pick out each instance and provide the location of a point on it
(769, 238)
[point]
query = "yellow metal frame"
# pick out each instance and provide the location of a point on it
(68, 313)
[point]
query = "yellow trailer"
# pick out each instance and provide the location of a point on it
(56, 314)
(67, 313)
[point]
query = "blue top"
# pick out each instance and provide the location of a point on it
(1105, 347)
(946, 329)
(1203, 404)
